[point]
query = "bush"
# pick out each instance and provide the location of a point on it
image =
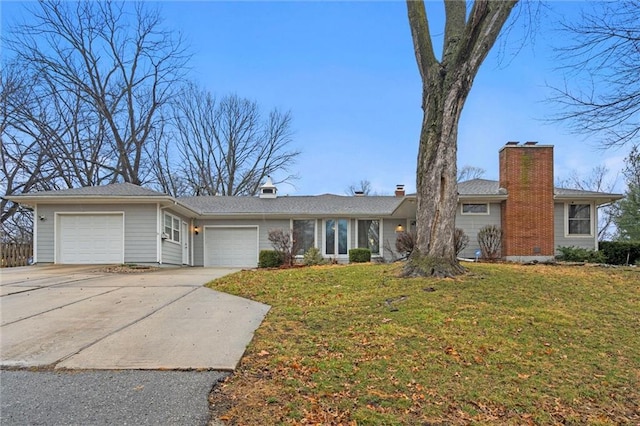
(460, 240)
(359, 255)
(269, 259)
(620, 252)
(579, 254)
(313, 257)
(405, 242)
(285, 244)
(490, 240)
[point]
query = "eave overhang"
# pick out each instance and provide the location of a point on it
(164, 201)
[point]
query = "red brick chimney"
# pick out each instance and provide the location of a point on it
(399, 190)
(526, 172)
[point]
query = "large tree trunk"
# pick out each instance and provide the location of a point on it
(436, 183)
(446, 85)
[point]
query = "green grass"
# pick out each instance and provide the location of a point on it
(504, 344)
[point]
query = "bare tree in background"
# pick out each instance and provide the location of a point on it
(602, 63)
(226, 146)
(106, 70)
(363, 187)
(596, 181)
(23, 164)
(446, 83)
(470, 172)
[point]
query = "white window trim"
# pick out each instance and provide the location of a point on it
(315, 232)
(592, 218)
(380, 234)
(170, 236)
(462, 212)
(324, 238)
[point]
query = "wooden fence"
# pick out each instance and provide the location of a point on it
(15, 254)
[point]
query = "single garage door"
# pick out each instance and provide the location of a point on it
(231, 246)
(90, 238)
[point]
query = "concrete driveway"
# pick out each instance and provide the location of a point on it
(80, 317)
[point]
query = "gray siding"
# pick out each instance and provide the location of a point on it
(471, 224)
(389, 238)
(561, 240)
(140, 233)
(172, 251)
(264, 226)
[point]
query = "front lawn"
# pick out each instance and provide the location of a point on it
(504, 344)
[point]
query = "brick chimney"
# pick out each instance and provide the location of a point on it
(399, 190)
(526, 172)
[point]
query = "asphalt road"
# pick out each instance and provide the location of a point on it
(117, 397)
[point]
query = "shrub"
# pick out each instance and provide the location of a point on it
(405, 242)
(490, 240)
(269, 259)
(460, 240)
(359, 255)
(313, 257)
(620, 252)
(579, 254)
(284, 243)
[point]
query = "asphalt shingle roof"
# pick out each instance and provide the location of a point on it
(491, 187)
(112, 190)
(326, 204)
(479, 187)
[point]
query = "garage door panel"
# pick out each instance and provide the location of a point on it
(90, 238)
(231, 246)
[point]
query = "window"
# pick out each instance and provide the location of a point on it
(336, 235)
(579, 219)
(470, 208)
(304, 232)
(369, 235)
(172, 227)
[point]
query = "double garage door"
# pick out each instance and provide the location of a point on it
(231, 246)
(90, 238)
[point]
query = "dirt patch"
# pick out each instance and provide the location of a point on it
(128, 269)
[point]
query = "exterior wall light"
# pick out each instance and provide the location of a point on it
(399, 228)
(196, 230)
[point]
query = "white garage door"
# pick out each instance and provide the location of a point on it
(235, 247)
(90, 238)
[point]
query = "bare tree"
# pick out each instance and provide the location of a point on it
(602, 90)
(363, 187)
(470, 172)
(596, 181)
(106, 69)
(226, 147)
(446, 83)
(24, 166)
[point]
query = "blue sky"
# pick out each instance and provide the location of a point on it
(347, 72)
